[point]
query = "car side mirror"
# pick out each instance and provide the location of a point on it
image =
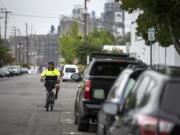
(76, 77)
(110, 108)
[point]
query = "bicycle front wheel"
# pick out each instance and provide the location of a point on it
(52, 101)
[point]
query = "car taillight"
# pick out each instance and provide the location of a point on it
(87, 88)
(152, 126)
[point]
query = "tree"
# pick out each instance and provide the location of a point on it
(69, 42)
(163, 15)
(84, 49)
(95, 42)
(100, 37)
(72, 45)
(124, 40)
(3, 51)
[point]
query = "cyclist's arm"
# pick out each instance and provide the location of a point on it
(58, 76)
(43, 74)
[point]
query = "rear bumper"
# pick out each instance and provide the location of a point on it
(66, 78)
(89, 110)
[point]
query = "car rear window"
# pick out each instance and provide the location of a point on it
(171, 98)
(108, 68)
(70, 70)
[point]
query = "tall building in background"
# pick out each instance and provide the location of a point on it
(114, 18)
(41, 49)
(78, 16)
(78, 12)
(18, 48)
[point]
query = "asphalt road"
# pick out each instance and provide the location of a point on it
(22, 109)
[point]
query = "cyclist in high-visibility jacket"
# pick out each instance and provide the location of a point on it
(51, 73)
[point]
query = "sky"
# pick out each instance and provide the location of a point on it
(50, 9)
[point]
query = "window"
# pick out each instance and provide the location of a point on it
(148, 93)
(171, 98)
(141, 90)
(129, 86)
(108, 68)
(70, 70)
(117, 85)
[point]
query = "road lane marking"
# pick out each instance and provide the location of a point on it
(71, 133)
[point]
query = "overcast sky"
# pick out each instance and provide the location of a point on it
(48, 8)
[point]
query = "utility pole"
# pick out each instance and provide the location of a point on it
(0, 27)
(85, 19)
(6, 12)
(27, 45)
(15, 44)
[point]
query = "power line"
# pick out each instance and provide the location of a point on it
(35, 16)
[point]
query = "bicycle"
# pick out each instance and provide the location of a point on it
(50, 99)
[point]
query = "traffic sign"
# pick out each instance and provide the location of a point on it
(151, 34)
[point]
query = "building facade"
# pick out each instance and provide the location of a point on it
(160, 55)
(35, 50)
(114, 18)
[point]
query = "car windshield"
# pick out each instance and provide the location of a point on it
(171, 98)
(108, 68)
(70, 70)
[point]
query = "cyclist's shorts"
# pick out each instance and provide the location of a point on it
(50, 84)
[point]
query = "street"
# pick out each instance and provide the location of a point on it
(22, 109)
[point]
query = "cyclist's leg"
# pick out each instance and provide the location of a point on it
(57, 86)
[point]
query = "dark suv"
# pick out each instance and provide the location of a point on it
(123, 85)
(97, 80)
(152, 107)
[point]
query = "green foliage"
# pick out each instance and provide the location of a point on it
(100, 38)
(124, 40)
(8, 59)
(69, 42)
(117, 51)
(163, 15)
(84, 49)
(5, 56)
(95, 42)
(72, 45)
(3, 49)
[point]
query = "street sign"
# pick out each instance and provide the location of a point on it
(151, 34)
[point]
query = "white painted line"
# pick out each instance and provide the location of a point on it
(71, 133)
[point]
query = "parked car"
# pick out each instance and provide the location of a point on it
(14, 70)
(123, 85)
(24, 70)
(68, 70)
(152, 107)
(96, 82)
(4, 72)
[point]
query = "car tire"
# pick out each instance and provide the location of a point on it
(75, 119)
(75, 116)
(83, 124)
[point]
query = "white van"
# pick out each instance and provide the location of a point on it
(68, 70)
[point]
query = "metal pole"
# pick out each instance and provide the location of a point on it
(27, 45)
(0, 27)
(165, 56)
(85, 20)
(150, 54)
(5, 21)
(5, 32)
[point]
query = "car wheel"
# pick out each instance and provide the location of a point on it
(75, 119)
(83, 124)
(75, 115)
